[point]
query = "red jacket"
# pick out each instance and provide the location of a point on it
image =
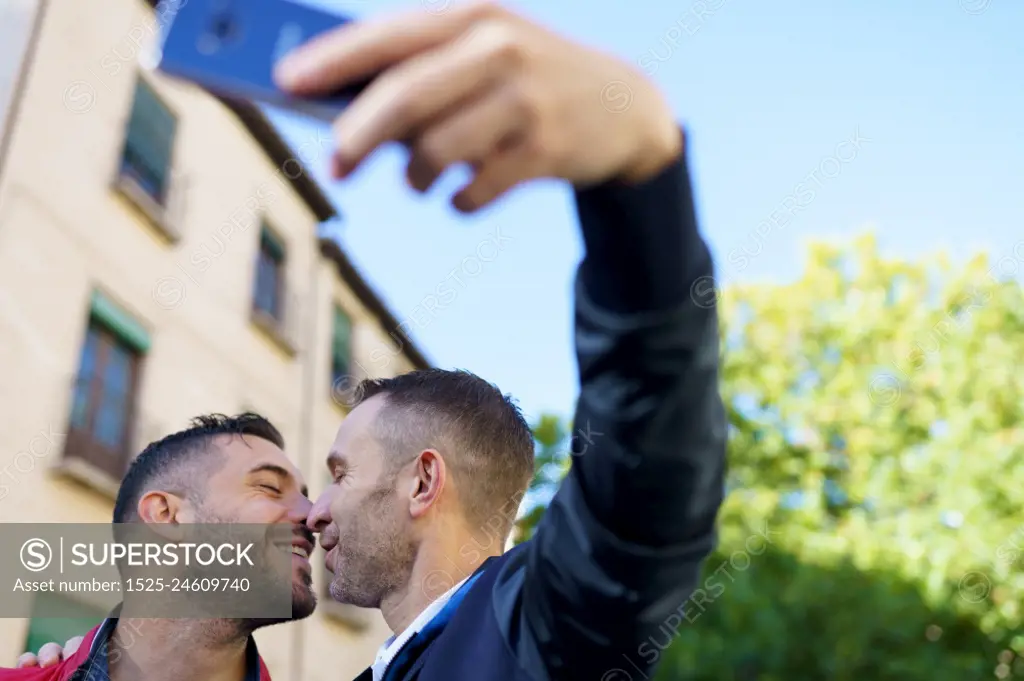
(63, 671)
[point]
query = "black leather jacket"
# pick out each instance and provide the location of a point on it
(620, 548)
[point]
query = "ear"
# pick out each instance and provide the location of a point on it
(427, 482)
(163, 512)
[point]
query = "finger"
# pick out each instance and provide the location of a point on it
(497, 176)
(71, 647)
(470, 135)
(49, 654)
(404, 99)
(27, 660)
(362, 49)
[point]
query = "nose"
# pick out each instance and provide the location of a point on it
(319, 515)
(299, 511)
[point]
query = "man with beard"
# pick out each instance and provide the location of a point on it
(429, 467)
(220, 470)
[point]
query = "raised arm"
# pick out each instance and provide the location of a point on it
(620, 548)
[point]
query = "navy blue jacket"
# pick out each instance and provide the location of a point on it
(620, 548)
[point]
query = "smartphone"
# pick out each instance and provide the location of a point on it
(229, 47)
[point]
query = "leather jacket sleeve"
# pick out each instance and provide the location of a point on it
(620, 548)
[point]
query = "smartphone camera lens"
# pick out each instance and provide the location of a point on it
(223, 29)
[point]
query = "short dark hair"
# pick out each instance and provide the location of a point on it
(185, 458)
(491, 443)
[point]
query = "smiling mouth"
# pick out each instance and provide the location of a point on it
(300, 551)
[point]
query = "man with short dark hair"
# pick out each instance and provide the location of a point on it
(487, 463)
(220, 470)
(428, 468)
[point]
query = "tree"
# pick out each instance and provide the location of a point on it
(551, 463)
(873, 526)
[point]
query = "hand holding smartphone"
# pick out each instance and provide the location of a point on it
(476, 85)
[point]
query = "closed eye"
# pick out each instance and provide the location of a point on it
(271, 488)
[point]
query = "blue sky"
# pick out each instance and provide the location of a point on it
(773, 95)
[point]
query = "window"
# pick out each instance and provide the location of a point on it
(341, 348)
(103, 403)
(146, 159)
(273, 313)
(64, 619)
(269, 296)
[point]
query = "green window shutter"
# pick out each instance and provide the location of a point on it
(108, 313)
(341, 346)
(151, 130)
(271, 243)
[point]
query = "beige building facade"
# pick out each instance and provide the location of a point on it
(161, 257)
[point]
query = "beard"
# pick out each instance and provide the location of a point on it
(303, 605)
(303, 596)
(374, 554)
